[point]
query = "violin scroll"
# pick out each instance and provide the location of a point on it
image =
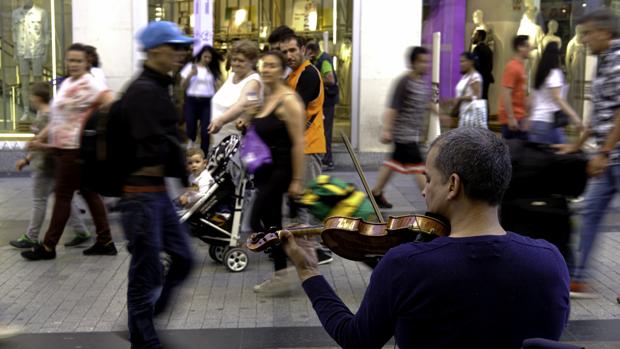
(258, 242)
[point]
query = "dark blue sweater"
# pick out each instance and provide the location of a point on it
(477, 292)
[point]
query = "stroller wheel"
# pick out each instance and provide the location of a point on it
(236, 259)
(217, 253)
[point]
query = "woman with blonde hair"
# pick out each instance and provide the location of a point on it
(228, 103)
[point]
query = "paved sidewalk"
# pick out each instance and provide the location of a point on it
(74, 293)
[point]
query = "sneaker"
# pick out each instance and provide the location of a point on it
(323, 256)
(329, 166)
(24, 242)
(580, 290)
(9, 331)
(101, 249)
(79, 239)
(381, 201)
(39, 252)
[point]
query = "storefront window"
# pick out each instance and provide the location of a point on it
(328, 22)
(32, 34)
(543, 21)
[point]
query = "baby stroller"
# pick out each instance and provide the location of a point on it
(205, 218)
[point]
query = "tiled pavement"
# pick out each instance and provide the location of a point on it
(74, 293)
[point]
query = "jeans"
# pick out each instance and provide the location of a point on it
(198, 109)
(544, 132)
(42, 187)
(599, 192)
(151, 226)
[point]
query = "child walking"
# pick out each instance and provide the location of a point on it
(42, 164)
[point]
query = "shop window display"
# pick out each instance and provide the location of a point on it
(544, 21)
(27, 29)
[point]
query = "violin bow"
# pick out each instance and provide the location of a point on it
(360, 173)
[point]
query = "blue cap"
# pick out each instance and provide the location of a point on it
(160, 33)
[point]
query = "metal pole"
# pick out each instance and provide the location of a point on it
(63, 43)
(356, 72)
(434, 127)
(54, 73)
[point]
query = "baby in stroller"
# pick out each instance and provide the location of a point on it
(200, 179)
(215, 217)
(214, 183)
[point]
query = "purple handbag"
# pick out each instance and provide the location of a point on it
(254, 152)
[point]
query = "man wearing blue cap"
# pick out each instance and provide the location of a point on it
(148, 217)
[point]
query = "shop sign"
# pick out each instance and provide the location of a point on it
(203, 27)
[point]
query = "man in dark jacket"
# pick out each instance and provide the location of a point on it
(485, 60)
(148, 216)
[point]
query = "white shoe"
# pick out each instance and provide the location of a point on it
(9, 331)
(190, 144)
(24, 117)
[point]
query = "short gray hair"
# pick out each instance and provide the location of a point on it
(480, 158)
(603, 18)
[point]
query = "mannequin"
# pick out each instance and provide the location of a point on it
(31, 34)
(344, 70)
(479, 24)
(529, 27)
(552, 28)
(576, 53)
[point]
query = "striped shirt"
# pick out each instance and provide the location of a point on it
(410, 99)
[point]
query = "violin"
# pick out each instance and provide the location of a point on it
(358, 240)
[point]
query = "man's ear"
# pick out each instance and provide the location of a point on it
(455, 186)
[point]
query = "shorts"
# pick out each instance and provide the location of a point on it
(406, 159)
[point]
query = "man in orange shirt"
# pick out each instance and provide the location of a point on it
(513, 101)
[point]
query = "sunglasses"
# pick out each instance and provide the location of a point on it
(179, 47)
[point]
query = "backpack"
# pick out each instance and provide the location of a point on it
(105, 143)
(327, 196)
(331, 91)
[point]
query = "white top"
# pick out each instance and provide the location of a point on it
(99, 75)
(202, 84)
(543, 105)
(199, 186)
(225, 97)
(463, 88)
(75, 101)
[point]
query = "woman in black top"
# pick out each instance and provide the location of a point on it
(279, 124)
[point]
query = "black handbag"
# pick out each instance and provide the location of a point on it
(560, 119)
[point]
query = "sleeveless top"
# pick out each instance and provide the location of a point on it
(314, 136)
(274, 133)
(225, 97)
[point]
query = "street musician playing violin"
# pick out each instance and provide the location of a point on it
(479, 287)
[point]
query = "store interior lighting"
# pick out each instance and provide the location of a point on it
(159, 13)
(241, 16)
(312, 20)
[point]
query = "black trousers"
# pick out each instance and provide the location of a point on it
(271, 182)
(328, 125)
(198, 110)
